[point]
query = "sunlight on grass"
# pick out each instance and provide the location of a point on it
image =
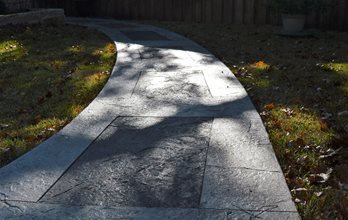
(48, 75)
(11, 50)
(337, 67)
(75, 49)
(8, 46)
(341, 70)
(289, 124)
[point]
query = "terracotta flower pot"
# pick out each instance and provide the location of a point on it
(293, 23)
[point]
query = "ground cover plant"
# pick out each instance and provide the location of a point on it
(48, 75)
(300, 88)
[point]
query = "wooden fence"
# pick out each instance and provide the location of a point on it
(208, 11)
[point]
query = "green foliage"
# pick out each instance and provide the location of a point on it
(298, 6)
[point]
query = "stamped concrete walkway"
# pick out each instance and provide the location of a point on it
(173, 135)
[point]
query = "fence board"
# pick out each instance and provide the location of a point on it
(228, 11)
(198, 10)
(217, 11)
(261, 12)
(177, 10)
(341, 14)
(188, 16)
(238, 11)
(346, 17)
(249, 11)
(208, 11)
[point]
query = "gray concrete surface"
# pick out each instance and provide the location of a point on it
(172, 135)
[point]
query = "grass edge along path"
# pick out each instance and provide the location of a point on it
(48, 75)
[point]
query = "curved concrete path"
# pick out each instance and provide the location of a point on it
(173, 135)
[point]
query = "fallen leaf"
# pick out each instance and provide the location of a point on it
(269, 106)
(49, 94)
(326, 115)
(287, 111)
(2, 126)
(323, 126)
(40, 100)
(325, 176)
(30, 139)
(330, 154)
(318, 194)
(261, 65)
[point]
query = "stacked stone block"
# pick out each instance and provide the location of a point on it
(17, 5)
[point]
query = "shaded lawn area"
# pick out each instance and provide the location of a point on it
(48, 75)
(300, 88)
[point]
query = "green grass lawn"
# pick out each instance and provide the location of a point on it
(48, 75)
(300, 88)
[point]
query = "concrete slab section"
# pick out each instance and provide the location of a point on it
(172, 85)
(242, 146)
(248, 215)
(115, 25)
(166, 60)
(156, 53)
(221, 82)
(39, 211)
(146, 162)
(169, 66)
(31, 175)
(121, 84)
(144, 36)
(140, 105)
(165, 54)
(246, 189)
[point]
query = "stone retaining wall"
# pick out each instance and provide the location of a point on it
(17, 5)
(55, 16)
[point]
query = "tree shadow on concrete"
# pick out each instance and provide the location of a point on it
(146, 161)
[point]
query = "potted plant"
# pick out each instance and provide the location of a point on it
(294, 12)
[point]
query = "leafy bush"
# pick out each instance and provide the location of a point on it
(298, 6)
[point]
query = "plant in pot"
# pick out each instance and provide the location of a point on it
(294, 12)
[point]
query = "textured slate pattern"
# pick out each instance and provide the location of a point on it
(139, 162)
(39, 211)
(245, 145)
(144, 35)
(172, 85)
(158, 53)
(245, 189)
